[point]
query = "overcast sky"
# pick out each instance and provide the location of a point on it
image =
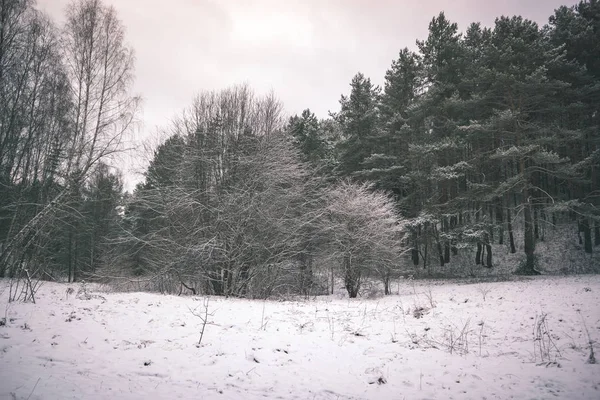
(307, 51)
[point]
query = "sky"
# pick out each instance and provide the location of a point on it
(306, 51)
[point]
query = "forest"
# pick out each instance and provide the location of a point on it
(481, 146)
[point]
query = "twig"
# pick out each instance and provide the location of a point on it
(592, 358)
(203, 317)
(263, 323)
(542, 341)
(32, 390)
(331, 323)
(484, 290)
(481, 324)
(429, 296)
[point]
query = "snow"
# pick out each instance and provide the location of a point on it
(144, 346)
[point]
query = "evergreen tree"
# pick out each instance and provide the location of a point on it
(522, 102)
(358, 119)
(578, 29)
(435, 162)
(164, 168)
(306, 130)
(388, 161)
(102, 199)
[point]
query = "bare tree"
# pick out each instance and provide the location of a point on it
(365, 233)
(226, 203)
(100, 68)
(269, 209)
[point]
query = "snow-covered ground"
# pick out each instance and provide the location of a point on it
(144, 346)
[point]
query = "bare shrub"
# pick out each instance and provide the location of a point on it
(429, 296)
(372, 291)
(544, 347)
(331, 325)
(419, 311)
(23, 287)
(456, 338)
(83, 293)
(484, 290)
(69, 292)
(414, 338)
(592, 358)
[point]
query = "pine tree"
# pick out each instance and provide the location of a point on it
(436, 164)
(387, 162)
(522, 102)
(164, 168)
(578, 29)
(308, 135)
(358, 119)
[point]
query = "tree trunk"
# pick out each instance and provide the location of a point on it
(445, 229)
(305, 273)
(309, 274)
(217, 281)
(529, 241)
(244, 278)
(544, 225)
(500, 222)
(478, 254)
(415, 250)
(447, 252)
(415, 256)
(536, 227)
(302, 272)
(529, 229)
(453, 222)
(332, 280)
(228, 280)
(482, 255)
(92, 245)
(76, 258)
(70, 256)
(587, 235)
(438, 245)
(425, 255)
(491, 231)
(596, 234)
(351, 278)
(511, 237)
(386, 284)
(489, 255)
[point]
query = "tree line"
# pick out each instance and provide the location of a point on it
(65, 106)
(478, 133)
(473, 137)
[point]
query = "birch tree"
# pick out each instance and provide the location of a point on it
(98, 71)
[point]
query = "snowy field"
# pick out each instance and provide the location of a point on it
(99, 345)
